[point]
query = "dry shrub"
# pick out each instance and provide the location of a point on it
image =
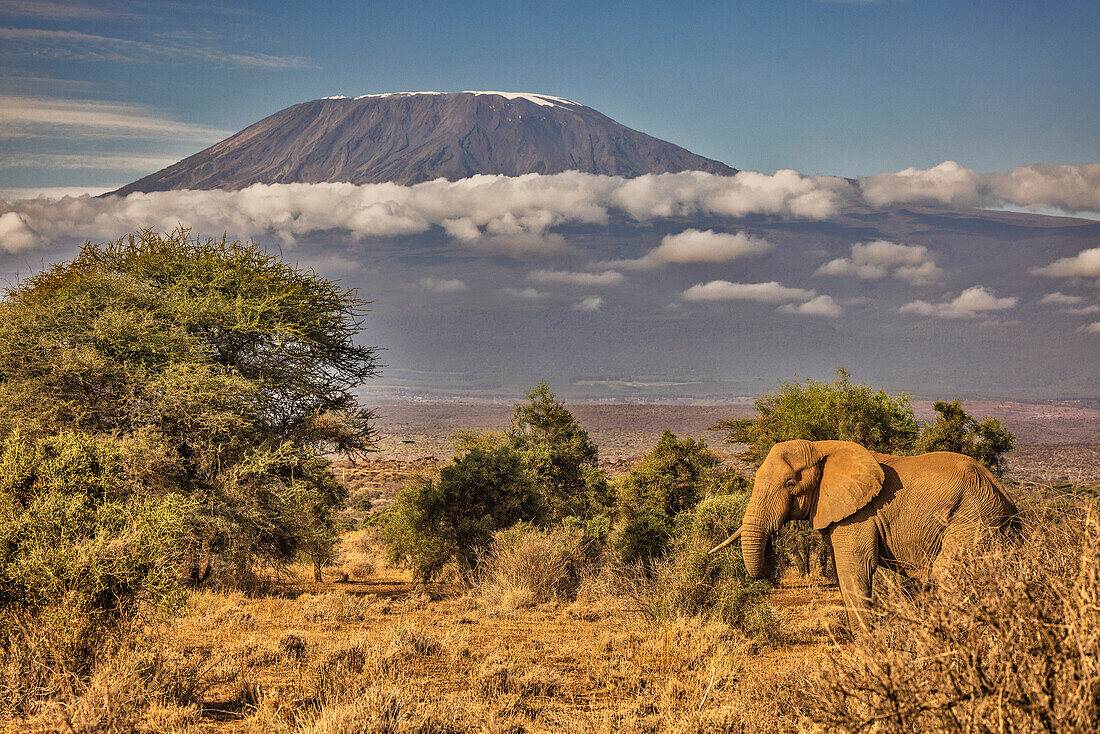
(135, 684)
(334, 606)
(360, 570)
(220, 609)
(113, 700)
(383, 708)
(295, 645)
(31, 673)
(689, 676)
(688, 583)
(416, 601)
(496, 678)
(256, 651)
(526, 566)
(1011, 642)
(345, 668)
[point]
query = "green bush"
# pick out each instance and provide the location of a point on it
(691, 581)
(435, 522)
(670, 480)
(560, 456)
(818, 411)
(83, 548)
(953, 430)
(642, 536)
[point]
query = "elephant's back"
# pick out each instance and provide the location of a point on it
(975, 492)
(954, 482)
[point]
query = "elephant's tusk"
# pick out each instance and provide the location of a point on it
(732, 539)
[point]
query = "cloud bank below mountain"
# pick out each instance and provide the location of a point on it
(517, 215)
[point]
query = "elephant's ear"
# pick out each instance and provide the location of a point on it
(850, 478)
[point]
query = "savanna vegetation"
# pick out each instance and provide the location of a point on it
(176, 553)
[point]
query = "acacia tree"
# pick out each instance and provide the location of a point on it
(818, 411)
(233, 368)
(954, 430)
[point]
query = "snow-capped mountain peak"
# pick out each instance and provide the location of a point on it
(412, 137)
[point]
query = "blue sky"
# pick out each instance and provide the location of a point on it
(101, 93)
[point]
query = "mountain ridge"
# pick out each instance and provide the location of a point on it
(413, 137)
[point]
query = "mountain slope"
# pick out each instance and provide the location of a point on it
(412, 137)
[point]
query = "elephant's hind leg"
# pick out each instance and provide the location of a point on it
(962, 537)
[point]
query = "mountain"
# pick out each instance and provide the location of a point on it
(412, 137)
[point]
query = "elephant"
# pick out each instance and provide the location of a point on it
(912, 514)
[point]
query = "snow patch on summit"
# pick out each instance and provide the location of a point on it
(544, 100)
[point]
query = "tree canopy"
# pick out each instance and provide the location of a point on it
(452, 518)
(839, 410)
(664, 487)
(234, 369)
(954, 430)
(559, 454)
(818, 411)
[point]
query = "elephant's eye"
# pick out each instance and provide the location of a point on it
(791, 483)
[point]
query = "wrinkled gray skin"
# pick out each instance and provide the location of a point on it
(912, 514)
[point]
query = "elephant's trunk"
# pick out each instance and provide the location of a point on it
(754, 548)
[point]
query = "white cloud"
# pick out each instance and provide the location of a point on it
(1084, 264)
(873, 260)
(443, 285)
(23, 117)
(1061, 299)
(1082, 310)
(696, 246)
(708, 246)
(924, 274)
(58, 10)
(608, 277)
(79, 46)
(969, 304)
(786, 193)
(845, 266)
(106, 161)
(592, 303)
(1093, 328)
(511, 215)
(821, 306)
(530, 294)
(723, 290)
(14, 234)
(1069, 188)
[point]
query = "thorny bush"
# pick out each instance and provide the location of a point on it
(1011, 642)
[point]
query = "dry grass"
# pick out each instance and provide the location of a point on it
(337, 662)
(1010, 643)
(1013, 639)
(526, 566)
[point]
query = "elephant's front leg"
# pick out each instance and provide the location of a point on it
(855, 551)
